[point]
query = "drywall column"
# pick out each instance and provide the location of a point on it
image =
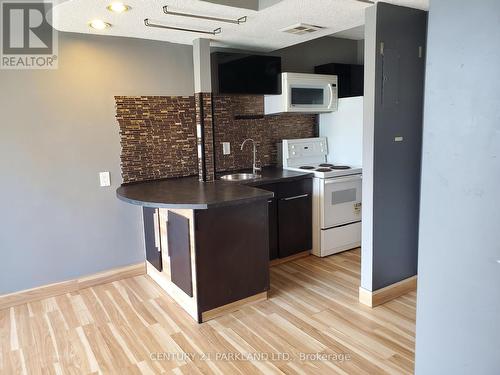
(392, 141)
(368, 135)
(458, 304)
(204, 111)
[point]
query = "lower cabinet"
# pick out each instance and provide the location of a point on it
(231, 253)
(272, 209)
(290, 217)
(152, 236)
(179, 249)
(294, 225)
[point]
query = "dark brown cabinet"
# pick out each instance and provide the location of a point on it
(179, 248)
(350, 78)
(290, 217)
(231, 253)
(272, 205)
(294, 225)
(152, 237)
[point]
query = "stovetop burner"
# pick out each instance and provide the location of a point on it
(324, 167)
(340, 167)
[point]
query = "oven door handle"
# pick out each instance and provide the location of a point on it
(343, 179)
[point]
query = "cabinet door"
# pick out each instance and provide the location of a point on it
(232, 253)
(152, 236)
(179, 247)
(295, 218)
(272, 211)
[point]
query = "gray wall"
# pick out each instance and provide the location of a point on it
(458, 302)
(392, 169)
(57, 132)
(302, 58)
(361, 51)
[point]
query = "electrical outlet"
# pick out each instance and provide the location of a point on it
(104, 179)
(226, 148)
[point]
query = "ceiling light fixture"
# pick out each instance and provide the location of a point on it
(151, 24)
(210, 18)
(118, 7)
(99, 24)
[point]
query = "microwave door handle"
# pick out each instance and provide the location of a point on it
(331, 95)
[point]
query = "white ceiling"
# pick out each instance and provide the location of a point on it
(356, 33)
(261, 31)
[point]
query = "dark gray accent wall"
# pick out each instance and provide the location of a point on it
(303, 57)
(396, 137)
(58, 131)
(458, 301)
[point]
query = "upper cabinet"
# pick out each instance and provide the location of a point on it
(350, 77)
(238, 73)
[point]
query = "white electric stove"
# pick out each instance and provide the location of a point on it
(336, 195)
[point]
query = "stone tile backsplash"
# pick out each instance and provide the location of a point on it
(158, 134)
(266, 131)
(158, 137)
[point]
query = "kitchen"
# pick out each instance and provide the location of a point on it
(311, 206)
(237, 205)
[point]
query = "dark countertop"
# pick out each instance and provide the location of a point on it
(189, 193)
(270, 175)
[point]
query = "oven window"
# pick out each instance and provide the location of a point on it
(306, 96)
(344, 196)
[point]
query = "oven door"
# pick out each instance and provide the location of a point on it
(340, 201)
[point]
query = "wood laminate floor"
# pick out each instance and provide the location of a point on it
(312, 324)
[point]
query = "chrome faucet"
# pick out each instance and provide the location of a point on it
(255, 169)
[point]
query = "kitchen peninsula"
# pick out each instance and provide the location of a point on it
(207, 244)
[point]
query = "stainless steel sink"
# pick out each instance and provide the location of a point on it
(239, 176)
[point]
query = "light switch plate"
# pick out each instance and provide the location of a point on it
(226, 148)
(104, 179)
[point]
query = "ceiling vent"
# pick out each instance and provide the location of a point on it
(301, 29)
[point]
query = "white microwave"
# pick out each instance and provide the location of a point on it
(305, 93)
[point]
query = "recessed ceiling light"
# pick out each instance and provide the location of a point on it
(99, 24)
(118, 7)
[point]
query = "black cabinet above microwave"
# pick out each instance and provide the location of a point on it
(350, 78)
(238, 73)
